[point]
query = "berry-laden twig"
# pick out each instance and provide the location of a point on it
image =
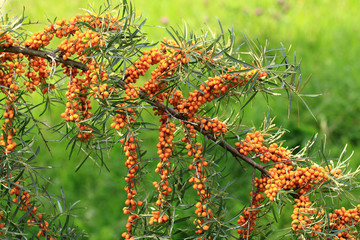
(164, 168)
(199, 180)
(131, 163)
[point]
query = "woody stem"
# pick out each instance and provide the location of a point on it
(51, 56)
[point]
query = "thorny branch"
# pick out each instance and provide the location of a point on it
(180, 116)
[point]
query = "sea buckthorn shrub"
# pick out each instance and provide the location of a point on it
(106, 76)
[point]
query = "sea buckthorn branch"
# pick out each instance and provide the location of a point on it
(50, 56)
(214, 87)
(85, 37)
(184, 118)
(136, 71)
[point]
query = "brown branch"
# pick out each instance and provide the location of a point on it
(230, 148)
(50, 56)
(182, 117)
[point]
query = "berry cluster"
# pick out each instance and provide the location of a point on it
(23, 201)
(158, 217)
(8, 131)
(24, 198)
(79, 105)
(43, 225)
(249, 215)
(37, 75)
(213, 125)
(342, 219)
(212, 88)
(199, 181)
(140, 67)
(164, 168)
(169, 60)
(132, 165)
(77, 42)
(126, 115)
(285, 176)
(253, 143)
(62, 28)
(306, 216)
(10, 89)
(6, 40)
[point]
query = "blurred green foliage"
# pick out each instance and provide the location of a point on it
(324, 35)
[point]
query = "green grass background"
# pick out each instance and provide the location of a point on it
(323, 34)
